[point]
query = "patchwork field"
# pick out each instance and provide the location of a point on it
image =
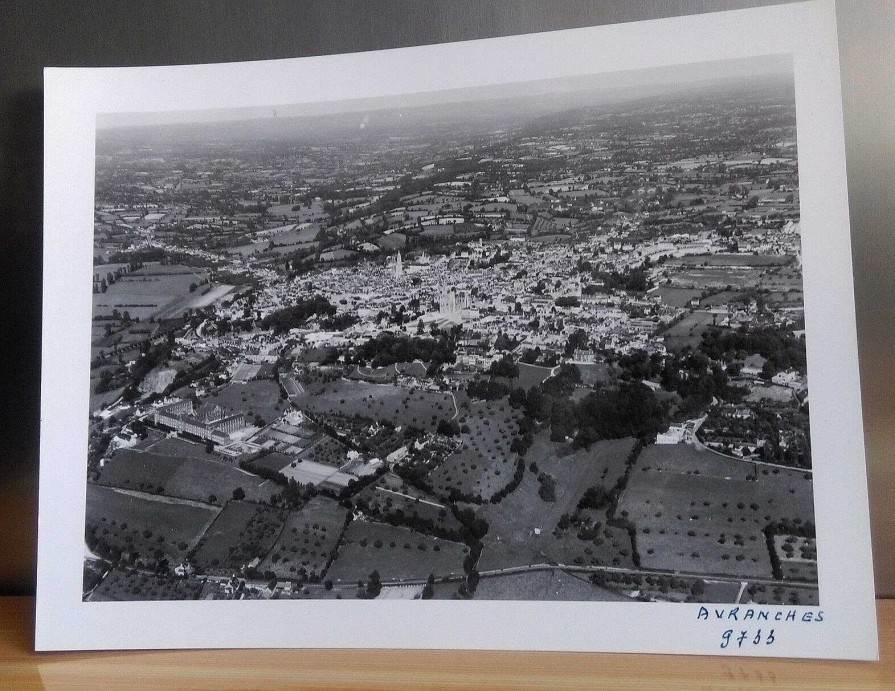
(308, 540)
(144, 292)
(483, 464)
(241, 532)
(695, 511)
(118, 522)
(396, 552)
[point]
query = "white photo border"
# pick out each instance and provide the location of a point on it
(74, 97)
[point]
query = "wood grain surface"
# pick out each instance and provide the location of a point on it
(22, 668)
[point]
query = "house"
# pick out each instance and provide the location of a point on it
(753, 366)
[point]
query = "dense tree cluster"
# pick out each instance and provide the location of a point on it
(631, 410)
(633, 280)
(782, 349)
(505, 367)
(297, 314)
(339, 322)
(388, 349)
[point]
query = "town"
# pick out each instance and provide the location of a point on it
(472, 350)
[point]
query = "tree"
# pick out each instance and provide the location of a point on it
(472, 580)
(429, 589)
(374, 585)
(239, 494)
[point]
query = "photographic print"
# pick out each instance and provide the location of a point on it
(541, 346)
(528, 343)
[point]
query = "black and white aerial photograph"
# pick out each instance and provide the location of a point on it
(543, 342)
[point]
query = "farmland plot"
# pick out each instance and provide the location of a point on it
(119, 522)
(145, 292)
(549, 585)
(242, 532)
(397, 553)
(392, 500)
(120, 586)
(401, 406)
(522, 525)
(187, 477)
(483, 464)
(308, 540)
(695, 511)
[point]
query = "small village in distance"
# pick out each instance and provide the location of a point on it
(534, 348)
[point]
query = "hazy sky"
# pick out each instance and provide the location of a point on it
(614, 84)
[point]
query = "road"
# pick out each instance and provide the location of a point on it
(414, 499)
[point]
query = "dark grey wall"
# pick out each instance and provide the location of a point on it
(39, 33)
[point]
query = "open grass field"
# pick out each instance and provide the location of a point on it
(194, 300)
(388, 375)
(550, 585)
(251, 398)
(145, 292)
(401, 406)
(695, 511)
(512, 539)
(529, 376)
(733, 260)
(273, 461)
(483, 464)
(308, 540)
(119, 586)
(688, 331)
(101, 400)
(702, 277)
(188, 477)
(302, 214)
(151, 527)
(242, 532)
(375, 375)
(396, 552)
(722, 299)
(676, 297)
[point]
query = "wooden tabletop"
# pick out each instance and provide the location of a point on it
(21, 668)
